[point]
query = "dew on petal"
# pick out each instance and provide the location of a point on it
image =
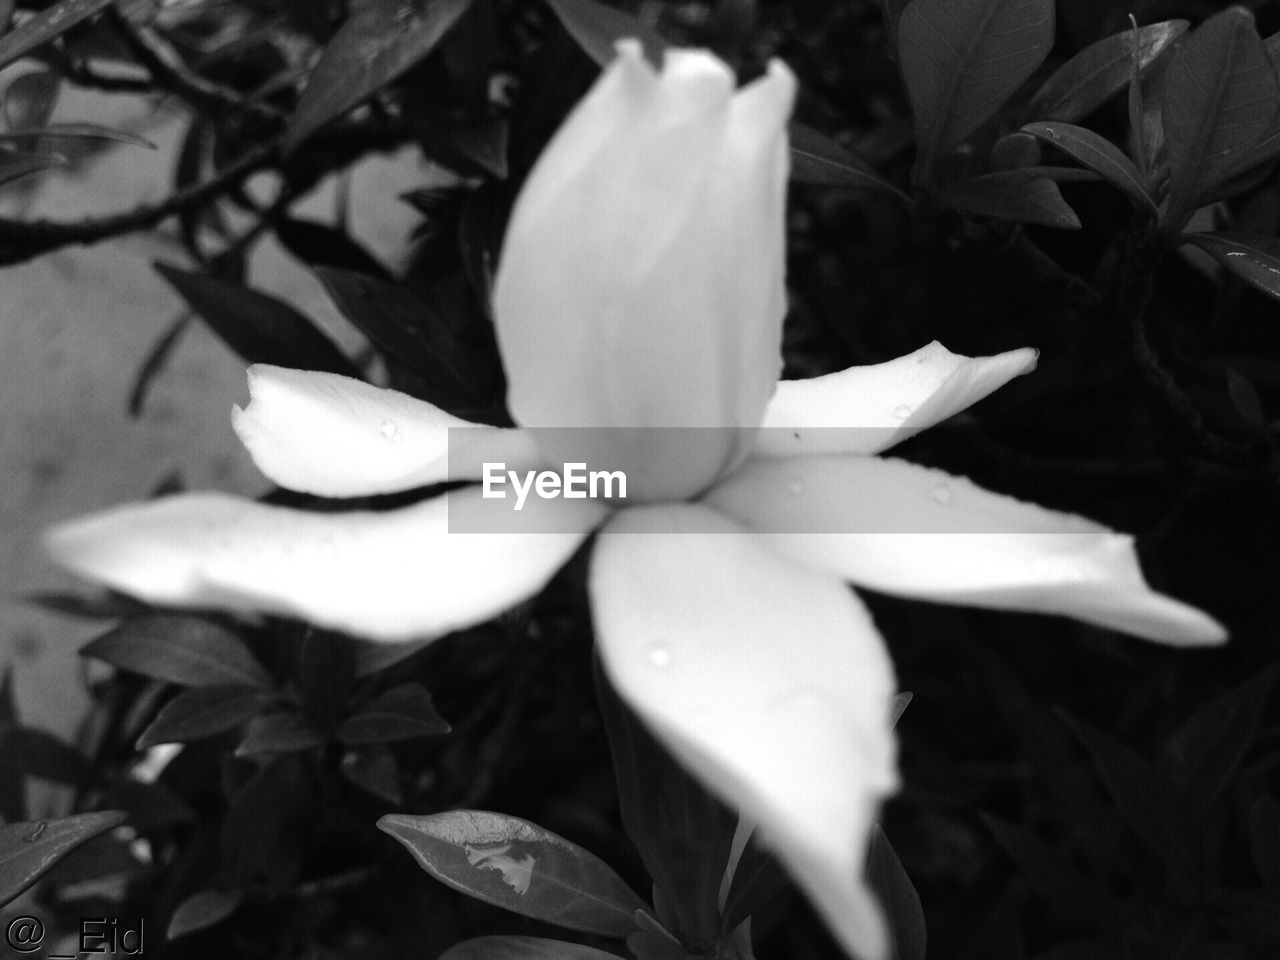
(658, 655)
(390, 431)
(901, 411)
(941, 493)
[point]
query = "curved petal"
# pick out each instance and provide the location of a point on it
(396, 575)
(335, 436)
(767, 680)
(868, 409)
(900, 528)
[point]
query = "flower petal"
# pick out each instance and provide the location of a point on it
(335, 436)
(870, 408)
(909, 530)
(395, 575)
(768, 681)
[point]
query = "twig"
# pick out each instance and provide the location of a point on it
(23, 240)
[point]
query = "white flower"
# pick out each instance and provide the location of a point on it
(641, 285)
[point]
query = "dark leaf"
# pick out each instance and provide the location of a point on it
(961, 60)
(900, 703)
(820, 160)
(15, 165)
(44, 26)
(107, 606)
(401, 713)
(380, 40)
(598, 28)
(1049, 873)
(40, 754)
(279, 733)
(259, 832)
(683, 834)
(28, 102)
(1100, 71)
(653, 941)
(320, 245)
(150, 806)
(1202, 756)
(1254, 259)
(1244, 397)
(180, 648)
(79, 131)
(202, 712)
(1013, 195)
(28, 850)
(374, 770)
(1015, 151)
(756, 881)
(374, 657)
(1264, 839)
(155, 360)
(201, 911)
(1098, 154)
(522, 948)
(516, 865)
(324, 672)
(1220, 98)
(891, 11)
(261, 329)
(410, 332)
(1139, 790)
(898, 898)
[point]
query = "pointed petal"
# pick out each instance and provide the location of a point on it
(767, 680)
(868, 409)
(909, 530)
(395, 575)
(335, 436)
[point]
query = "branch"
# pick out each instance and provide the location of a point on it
(21, 241)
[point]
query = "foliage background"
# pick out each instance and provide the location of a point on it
(1069, 794)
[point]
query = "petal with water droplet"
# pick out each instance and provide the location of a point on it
(335, 436)
(881, 524)
(870, 408)
(393, 575)
(776, 695)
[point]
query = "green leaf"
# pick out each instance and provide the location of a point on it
(284, 732)
(49, 23)
(597, 30)
(180, 648)
(1252, 258)
(514, 864)
(1201, 757)
(261, 329)
(1098, 154)
(820, 160)
(322, 245)
(201, 911)
(900, 703)
(1264, 840)
(1220, 98)
(1019, 196)
(380, 40)
(898, 898)
(756, 881)
(1100, 71)
(78, 131)
(373, 657)
(31, 752)
(29, 849)
(401, 713)
(202, 712)
(267, 822)
(374, 769)
(891, 12)
(324, 669)
(1244, 397)
(683, 833)
(1050, 874)
(30, 100)
(410, 332)
(15, 165)
(1015, 151)
(522, 948)
(961, 60)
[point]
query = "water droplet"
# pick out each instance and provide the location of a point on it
(35, 834)
(658, 655)
(901, 411)
(795, 486)
(941, 493)
(389, 430)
